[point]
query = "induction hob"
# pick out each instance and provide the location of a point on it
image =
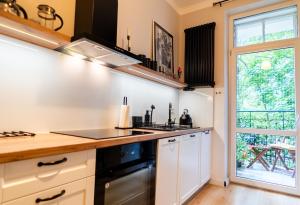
(98, 134)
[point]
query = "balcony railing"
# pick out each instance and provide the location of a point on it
(279, 120)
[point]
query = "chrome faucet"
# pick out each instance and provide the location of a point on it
(152, 108)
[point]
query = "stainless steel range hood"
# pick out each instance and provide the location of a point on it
(95, 34)
(87, 49)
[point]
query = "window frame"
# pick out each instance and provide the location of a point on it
(263, 25)
(234, 51)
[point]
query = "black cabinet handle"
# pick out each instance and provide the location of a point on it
(173, 140)
(40, 164)
(38, 200)
(192, 135)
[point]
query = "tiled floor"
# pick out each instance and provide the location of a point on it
(241, 195)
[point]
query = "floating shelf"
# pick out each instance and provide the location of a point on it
(30, 31)
(146, 73)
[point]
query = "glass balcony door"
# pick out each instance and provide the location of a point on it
(264, 100)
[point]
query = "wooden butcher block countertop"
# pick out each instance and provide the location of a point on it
(21, 148)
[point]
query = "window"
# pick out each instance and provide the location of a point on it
(265, 27)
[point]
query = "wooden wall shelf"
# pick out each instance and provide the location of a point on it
(30, 31)
(146, 73)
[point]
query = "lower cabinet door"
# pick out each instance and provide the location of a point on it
(205, 155)
(167, 172)
(80, 192)
(188, 166)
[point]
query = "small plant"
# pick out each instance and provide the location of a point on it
(241, 151)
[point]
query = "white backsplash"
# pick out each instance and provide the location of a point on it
(200, 104)
(43, 90)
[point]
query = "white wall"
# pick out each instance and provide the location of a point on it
(200, 104)
(42, 90)
(138, 17)
(220, 15)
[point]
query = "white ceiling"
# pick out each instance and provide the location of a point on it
(187, 6)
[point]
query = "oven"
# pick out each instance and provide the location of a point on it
(125, 174)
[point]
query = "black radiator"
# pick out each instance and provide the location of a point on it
(199, 55)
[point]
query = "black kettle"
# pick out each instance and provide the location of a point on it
(12, 7)
(186, 119)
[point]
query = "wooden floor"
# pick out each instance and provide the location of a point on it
(240, 195)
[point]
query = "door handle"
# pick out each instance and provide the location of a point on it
(40, 164)
(38, 200)
(173, 140)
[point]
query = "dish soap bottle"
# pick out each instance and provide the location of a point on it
(147, 118)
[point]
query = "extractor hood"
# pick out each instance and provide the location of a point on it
(95, 34)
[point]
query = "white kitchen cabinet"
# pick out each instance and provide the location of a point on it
(167, 172)
(188, 166)
(205, 157)
(22, 178)
(60, 179)
(75, 193)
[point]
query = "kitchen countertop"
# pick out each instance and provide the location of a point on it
(41, 145)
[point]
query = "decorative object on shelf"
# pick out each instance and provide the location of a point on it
(48, 16)
(128, 40)
(12, 7)
(147, 62)
(179, 72)
(163, 51)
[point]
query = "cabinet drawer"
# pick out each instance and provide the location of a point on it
(170, 140)
(76, 193)
(26, 177)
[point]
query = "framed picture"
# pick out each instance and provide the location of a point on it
(163, 51)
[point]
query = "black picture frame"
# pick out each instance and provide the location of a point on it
(163, 49)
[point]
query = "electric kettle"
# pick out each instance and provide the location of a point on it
(48, 16)
(12, 7)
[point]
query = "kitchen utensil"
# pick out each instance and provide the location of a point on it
(185, 118)
(48, 16)
(12, 7)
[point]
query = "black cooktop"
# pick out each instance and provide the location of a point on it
(102, 133)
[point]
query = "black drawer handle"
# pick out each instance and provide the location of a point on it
(38, 200)
(40, 164)
(173, 140)
(192, 135)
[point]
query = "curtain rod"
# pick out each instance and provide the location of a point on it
(220, 3)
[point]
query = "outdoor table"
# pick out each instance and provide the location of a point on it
(278, 149)
(259, 152)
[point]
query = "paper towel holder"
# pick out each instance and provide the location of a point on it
(124, 106)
